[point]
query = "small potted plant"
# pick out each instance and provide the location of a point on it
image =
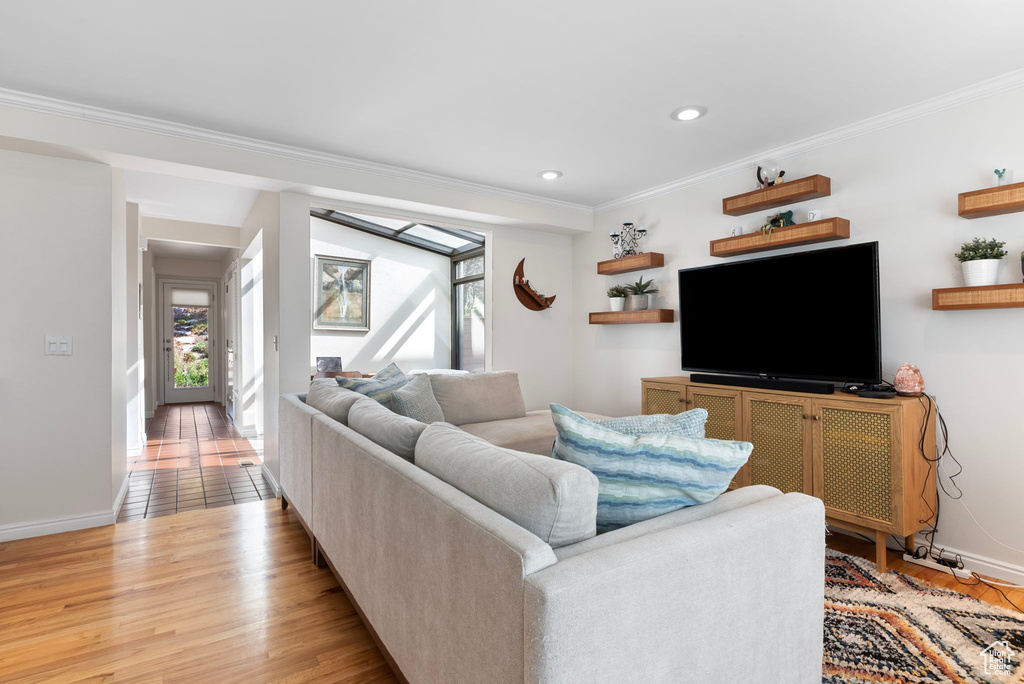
(1003, 176)
(981, 259)
(639, 294)
(617, 297)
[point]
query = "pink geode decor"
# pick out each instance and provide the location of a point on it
(908, 381)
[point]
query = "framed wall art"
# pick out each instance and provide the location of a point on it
(341, 294)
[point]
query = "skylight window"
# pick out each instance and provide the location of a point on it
(447, 241)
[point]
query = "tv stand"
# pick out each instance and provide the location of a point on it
(765, 383)
(866, 459)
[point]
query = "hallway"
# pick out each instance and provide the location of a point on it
(190, 461)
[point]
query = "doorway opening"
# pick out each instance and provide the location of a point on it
(188, 316)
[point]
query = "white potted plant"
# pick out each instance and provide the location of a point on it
(640, 294)
(617, 298)
(980, 260)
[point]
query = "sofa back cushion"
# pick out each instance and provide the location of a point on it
(644, 477)
(556, 501)
(479, 397)
(379, 387)
(332, 400)
(415, 399)
(395, 433)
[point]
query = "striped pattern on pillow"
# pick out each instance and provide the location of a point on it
(644, 477)
(379, 387)
(686, 424)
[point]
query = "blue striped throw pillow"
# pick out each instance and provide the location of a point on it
(379, 387)
(686, 424)
(644, 477)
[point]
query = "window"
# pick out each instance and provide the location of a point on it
(468, 315)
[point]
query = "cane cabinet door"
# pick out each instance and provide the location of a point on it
(725, 417)
(858, 469)
(779, 427)
(663, 398)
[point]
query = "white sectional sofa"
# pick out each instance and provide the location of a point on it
(455, 592)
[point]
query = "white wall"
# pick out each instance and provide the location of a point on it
(62, 449)
(150, 334)
(410, 303)
(537, 344)
(188, 268)
(897, 186)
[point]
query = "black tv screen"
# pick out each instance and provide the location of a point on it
(812, 315)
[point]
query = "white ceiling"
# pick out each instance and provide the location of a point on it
(185, 199)
(169, 249)
(496, 92)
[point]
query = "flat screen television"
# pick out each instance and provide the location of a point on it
(811, 315)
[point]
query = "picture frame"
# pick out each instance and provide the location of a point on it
(341, 294)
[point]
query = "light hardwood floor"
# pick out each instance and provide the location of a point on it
(208, 596)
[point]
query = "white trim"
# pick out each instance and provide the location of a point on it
(67, 523)
(269, 477)
(150, 414)
(121, 494)
(993, 86)
(145, 124)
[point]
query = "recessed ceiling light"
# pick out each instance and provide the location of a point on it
(689, 113)
(550, 174)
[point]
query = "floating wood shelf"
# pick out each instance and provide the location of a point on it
(628, 264)
(825, 230)
(779, 195)
(620, 317)
(526, 294)
(1004, 199)
(989, 297)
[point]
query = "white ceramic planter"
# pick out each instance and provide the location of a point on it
(981, 272)
(639, 302)
(616, 303)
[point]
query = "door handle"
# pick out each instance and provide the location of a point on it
(167, 349)
(817, 417)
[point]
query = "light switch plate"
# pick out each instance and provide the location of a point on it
(58, 345)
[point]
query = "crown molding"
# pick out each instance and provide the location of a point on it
(955, 98)
(145, 124)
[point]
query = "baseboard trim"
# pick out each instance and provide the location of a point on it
(989, 567)
(269, 477)
(119, 499)
(68, 523)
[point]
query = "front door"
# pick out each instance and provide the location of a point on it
(187, 342)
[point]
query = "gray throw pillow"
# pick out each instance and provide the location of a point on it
(395, 433)
(479, 397)
(332, 400)
(379, 387)
(555, 500)
(415, 399)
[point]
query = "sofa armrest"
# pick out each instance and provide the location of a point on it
(295, 453)
(738, 597)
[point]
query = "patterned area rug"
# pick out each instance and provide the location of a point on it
(892, 628)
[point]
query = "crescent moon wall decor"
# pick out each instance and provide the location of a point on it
(526, 294)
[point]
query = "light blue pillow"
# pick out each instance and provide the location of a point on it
(379, 387)
(644, 477)
(415, 399)
(686, 424)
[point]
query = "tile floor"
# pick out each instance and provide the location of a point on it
(190, 461)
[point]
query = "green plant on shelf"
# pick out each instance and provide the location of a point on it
(641, 287)
(617, 291)
(978, 249)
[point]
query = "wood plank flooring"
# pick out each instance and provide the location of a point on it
(207, 596)
(215, 596)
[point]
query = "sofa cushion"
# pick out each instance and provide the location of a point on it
(479, 397)
(648, 476)
(332, 400)
(686, 424)
(379, 387)
(556, 501)
(415, 399)
(379, 424)
(534, 433)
